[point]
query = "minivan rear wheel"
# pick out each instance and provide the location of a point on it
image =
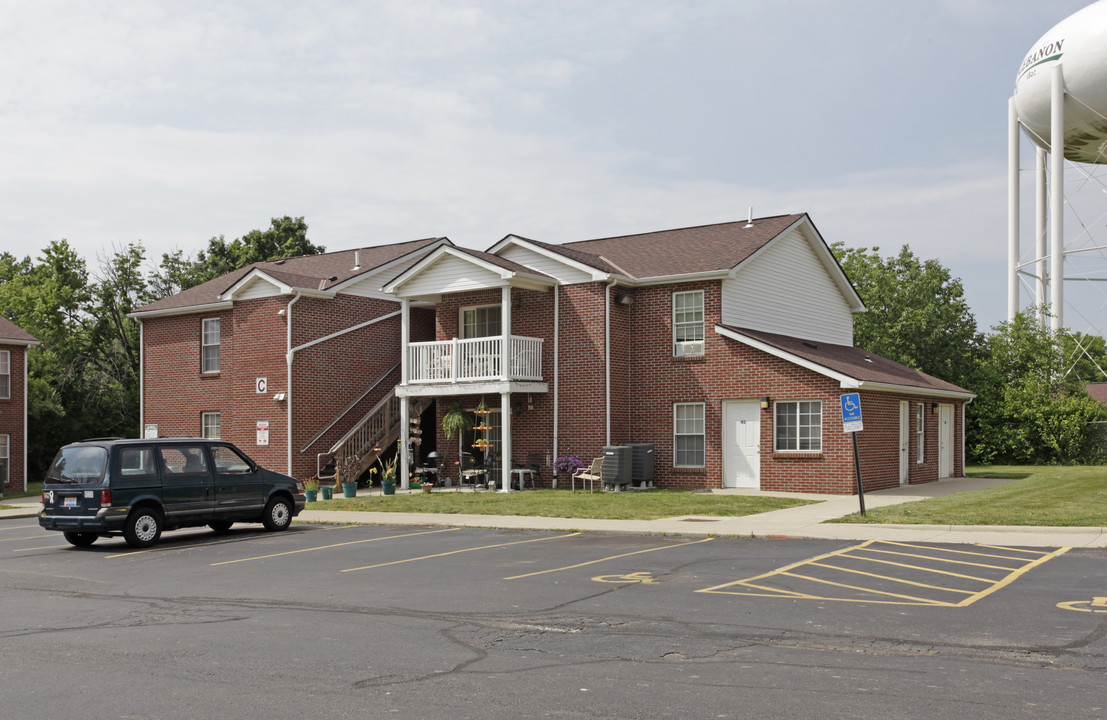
(81, 539)
(220, 526)
(143, 528)
(278, 514)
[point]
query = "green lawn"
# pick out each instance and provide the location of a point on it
(565, 504)
(1049, 496)
(34, 490)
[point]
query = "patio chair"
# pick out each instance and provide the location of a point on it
(591, 474)
(469, 472)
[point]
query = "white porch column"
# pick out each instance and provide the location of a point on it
(1013, 138)
(1057, 200)
(505, 442)
(404, 448)
(405, 339)
(505, 332)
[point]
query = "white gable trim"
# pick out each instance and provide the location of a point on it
(188, 310)
(259, 275)
(383, 270)
(846, 382)
(494, 275)
(595, 273)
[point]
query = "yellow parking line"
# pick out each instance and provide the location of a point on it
(329, 547)
(964, 552)
(789, 567)
(940, 559)
(1014, 549)
(456, 552)
(912, 598)
(25, 537)
(44, 547)
(949, 573)
(18, 527)
(893, 579)
(613, 557)
(224, 541)
(1013, 576)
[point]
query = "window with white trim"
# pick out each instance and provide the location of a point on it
(688, 435)
(211, 425)
(209, 350)
(484, 321)
(688, 323)
(5, 460)
(920, 431)
(5, 374)
(799, 426)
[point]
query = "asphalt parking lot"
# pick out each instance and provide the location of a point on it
(466, 622)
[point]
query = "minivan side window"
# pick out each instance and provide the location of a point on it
(137, 462)
(229, 462)
(184, 460)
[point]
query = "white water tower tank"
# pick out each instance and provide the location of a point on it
(1079, 44)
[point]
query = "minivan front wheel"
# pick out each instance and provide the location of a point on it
(80, 539)
(278, 514)
(143, 528)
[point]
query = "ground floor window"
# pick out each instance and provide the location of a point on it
(920, 431)
(211, 423)
(799, 426)
(688, 435)
(5, 460)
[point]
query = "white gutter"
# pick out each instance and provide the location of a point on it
(190, 310)
(556, 368)
(288, 364)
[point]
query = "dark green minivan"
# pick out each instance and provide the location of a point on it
(138, 488)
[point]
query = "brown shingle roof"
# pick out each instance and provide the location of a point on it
(674, 252)
(12, 334)
(311, 272)
(852, 362)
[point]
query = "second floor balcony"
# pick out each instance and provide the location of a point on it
(476, 360)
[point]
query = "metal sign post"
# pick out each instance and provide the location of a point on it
(852, 423)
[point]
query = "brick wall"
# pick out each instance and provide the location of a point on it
(13, 420)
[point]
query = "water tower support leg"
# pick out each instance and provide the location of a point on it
(1057, 200)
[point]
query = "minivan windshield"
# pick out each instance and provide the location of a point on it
(78, 466)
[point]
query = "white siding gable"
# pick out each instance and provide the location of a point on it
(451, 274)
(370, 285)
(564, 273)
(257, 287)
(786, 289)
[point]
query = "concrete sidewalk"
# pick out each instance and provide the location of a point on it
(806, 521)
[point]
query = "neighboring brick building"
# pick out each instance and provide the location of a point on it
(14, 343)
(711, 343)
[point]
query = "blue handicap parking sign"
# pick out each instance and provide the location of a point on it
(851, 413)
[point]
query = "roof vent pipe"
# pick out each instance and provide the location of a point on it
(357, 259)
(749, 223)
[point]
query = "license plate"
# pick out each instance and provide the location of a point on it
(69, 502)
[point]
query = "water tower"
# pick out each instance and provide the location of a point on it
(1060, 103)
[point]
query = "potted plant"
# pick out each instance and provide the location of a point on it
(454, 422)
(311, 489)
(347, 474)
(388, 477)
(566, 464)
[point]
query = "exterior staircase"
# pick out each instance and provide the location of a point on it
(373, 435)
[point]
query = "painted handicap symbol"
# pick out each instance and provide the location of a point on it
(643, 578)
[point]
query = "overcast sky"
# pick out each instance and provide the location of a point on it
(172, 122)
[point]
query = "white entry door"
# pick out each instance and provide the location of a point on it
(742, 444)
(945, 441)
(904, 440)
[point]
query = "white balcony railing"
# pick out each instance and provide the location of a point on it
(478, 359)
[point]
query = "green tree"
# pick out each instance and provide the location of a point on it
(917, 313)
(1086, 357)
(1028, 410)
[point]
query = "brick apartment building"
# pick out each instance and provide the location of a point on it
(14, 343)
(725, 346)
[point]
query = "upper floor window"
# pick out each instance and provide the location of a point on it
(5, 374)
(481, 322)
(209, 351)
(688, 435)
(211, 425)
(799, 425)
(688, 323)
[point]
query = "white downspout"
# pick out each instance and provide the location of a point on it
(289, 353)
(505, 397)
(964, 433)
(556, 375)
(607, 357)
(141, 380)
(405, 407)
